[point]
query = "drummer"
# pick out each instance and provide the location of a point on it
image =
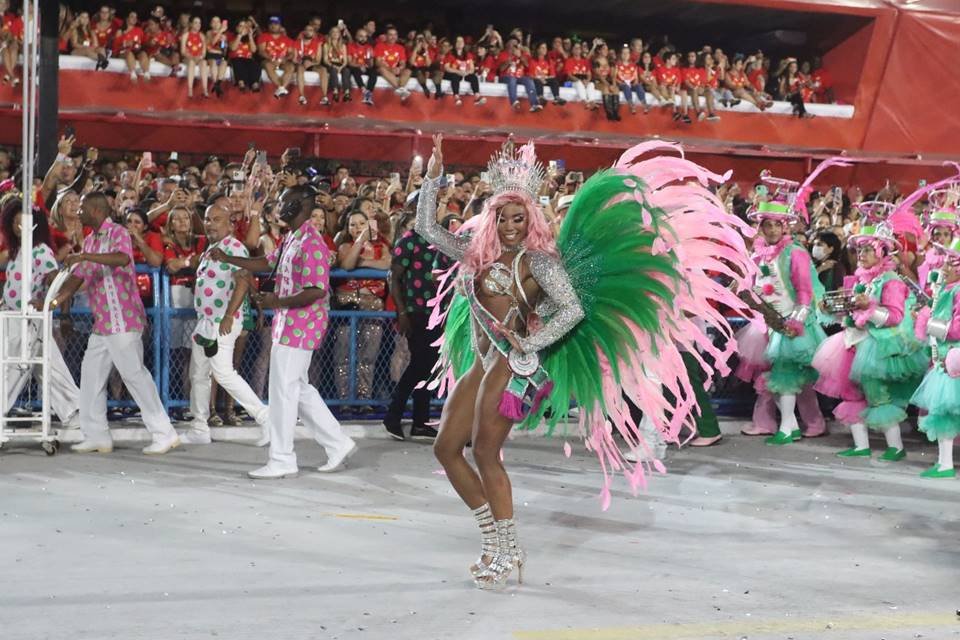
(778, 361)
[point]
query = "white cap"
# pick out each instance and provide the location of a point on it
(564, 202)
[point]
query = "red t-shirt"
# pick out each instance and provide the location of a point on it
(173, 250)
(694, 76)
(626, 72)
(130, 40)
(58, 239)
(309, 49)
(635, 57)
(276, 45)
(737, 79)
(669, 76)
(359, 55)
(194, 44)
(576, 67)
(104, 35)
(152, 44)
(541, 69)
(713, 78)
(464, 64)
(154, 240)
(758, 79)
(392, 55)
(421, 58)
(217, 44)
(647, 75)
(487, 69)
(240, 227)
(13, 24)
(244, 50)
(557, 58)
(825, 81)
(515, 65)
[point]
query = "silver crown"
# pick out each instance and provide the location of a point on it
(516, 171)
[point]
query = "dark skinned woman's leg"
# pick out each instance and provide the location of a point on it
(490, 432)
(456, 427)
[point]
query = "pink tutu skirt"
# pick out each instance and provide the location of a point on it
(752, 341)
(833, 361)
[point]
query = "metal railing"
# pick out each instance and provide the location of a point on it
(335, 366)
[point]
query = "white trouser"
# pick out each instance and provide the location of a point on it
(221, 366)
(582, 90)
(291, 394)
(64, 393)
(125, 352)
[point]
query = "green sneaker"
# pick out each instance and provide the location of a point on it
(780, 439)
(854, 453)
(893, 455)
(796, 435)
(935, 472)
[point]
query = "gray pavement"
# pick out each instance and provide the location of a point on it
(737, 541)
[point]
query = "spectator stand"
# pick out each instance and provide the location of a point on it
(487, 89)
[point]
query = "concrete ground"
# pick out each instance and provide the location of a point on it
(738, 541)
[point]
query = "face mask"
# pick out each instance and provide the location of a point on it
(819, 252)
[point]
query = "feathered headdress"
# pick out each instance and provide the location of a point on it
(807, 187)
(876, 235)
(516, 171)
(783, 194)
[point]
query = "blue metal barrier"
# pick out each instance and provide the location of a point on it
(171, 377)
(170, 369)
(73, 349)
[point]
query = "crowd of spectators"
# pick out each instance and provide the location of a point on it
(349, 60)
(362, 218)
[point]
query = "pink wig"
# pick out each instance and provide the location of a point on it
(485, 246)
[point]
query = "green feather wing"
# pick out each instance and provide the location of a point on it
(609, 253)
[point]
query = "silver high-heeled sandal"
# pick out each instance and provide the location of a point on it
(490, 543)
(509, 557)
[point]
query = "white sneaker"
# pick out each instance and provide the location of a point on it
(91, 446)
(338, 458)
(272, 471)
(195, 436)
(159, 447)
(280, 92)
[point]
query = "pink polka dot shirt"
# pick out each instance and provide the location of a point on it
(304, 263)
(43, 263)
(215, 283)
(114, 297)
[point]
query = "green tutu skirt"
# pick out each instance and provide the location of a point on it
(790, 359)
(886, 401)
(890, 360)
(939, 395)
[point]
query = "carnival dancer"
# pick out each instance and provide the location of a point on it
(778, 362)
(940, 225)
(64, 393)
(218, 297)
(302, 266)
(105, 268)
(875, 363)
(939, 393)
(598, 317)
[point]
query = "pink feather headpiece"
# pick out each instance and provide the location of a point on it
(806, 188)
